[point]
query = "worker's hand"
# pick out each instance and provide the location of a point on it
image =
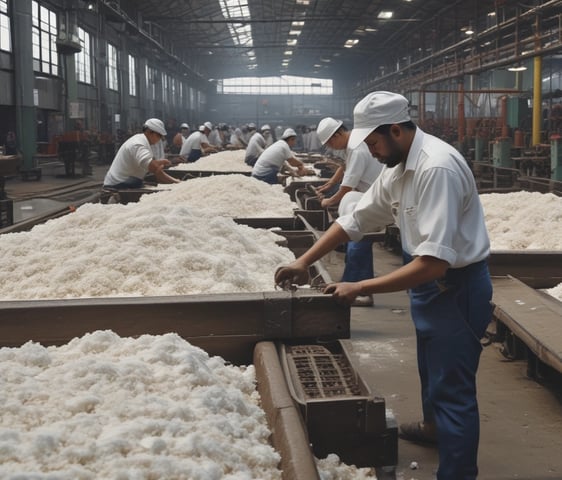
(344, 292)
(325, 203)
(295, 273)
(164, 162)
(324, 187)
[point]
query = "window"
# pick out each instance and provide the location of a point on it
(284, 85)
(132, 76)
(112, 79)
(151, 83)
(84, 58)
(5, 37)
(44, 39)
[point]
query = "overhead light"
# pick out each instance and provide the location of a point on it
(351, 43)
(297, 24)
(370, 29)
(295, 32)
(517, 68)
(303, 2)
(288, 52)
(385, 14)
(468, 30)
(291, 42)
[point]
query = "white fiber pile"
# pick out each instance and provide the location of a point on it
(330, 468)
(225, 161)
(137, 250)
(236, 196)
(555, 292)
(105, 407)
(523, 220)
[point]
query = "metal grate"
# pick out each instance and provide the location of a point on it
(321, 373)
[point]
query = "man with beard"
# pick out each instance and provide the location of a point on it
(427, 189)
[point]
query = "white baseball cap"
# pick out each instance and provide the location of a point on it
(184, 125)
(156, 125)
(208, 125)
(288, 134)
(265, 127)
(326, 128)
(201, 128)
(376, 109)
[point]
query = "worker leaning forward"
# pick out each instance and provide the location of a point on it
(135, 159)
(427, 189)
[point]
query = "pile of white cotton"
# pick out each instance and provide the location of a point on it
(225, 161)
(138, 250)
(154, 407)
(523, 220)
(236, 196)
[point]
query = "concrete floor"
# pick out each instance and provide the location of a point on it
(521, 420)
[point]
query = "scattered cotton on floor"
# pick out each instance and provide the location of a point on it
(236, 196)
(555, 292)
(523, 220)
(330, 468)
(138, 250)
(226, 161)
(154, 407)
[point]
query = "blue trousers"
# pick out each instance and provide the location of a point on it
(194, 155)
(451, 316)
(358, 261)
(270, 178)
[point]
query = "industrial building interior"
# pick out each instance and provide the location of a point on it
(79, 77)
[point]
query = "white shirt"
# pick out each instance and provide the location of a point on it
(361, 168)
(434, 201)
(193, 142)
(272, 158)
(256, 145)
(131, 160)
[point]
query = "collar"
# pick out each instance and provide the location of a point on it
(415, 149)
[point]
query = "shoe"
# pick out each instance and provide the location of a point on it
(418, 432)
(363, 301)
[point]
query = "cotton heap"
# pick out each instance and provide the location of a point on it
(226, 161)
(236, 196)
(151, 407)
(137, 250)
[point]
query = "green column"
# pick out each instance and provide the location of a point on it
(24, 77)
(556, 158)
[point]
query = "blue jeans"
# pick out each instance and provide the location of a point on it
(270, 178)
(451, 316)
(358, 261)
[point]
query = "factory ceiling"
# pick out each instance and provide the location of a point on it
(331, 38)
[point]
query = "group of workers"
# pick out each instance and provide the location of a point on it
(394, 173)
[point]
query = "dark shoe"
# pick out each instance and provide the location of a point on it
(418, 432)
(363, 301)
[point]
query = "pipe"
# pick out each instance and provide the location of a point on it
(461, 119)
(537, 89)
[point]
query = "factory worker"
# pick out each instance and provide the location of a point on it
(274, 158)
(197, 144)
(427, 189)
(181, 136)
(135, 159)
(344, 189)
(256, 146)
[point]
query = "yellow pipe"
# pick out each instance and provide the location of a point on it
(537, 100)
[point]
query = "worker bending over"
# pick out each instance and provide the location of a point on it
(135, 159)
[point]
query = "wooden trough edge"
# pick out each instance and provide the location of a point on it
(531, 316)
(289, 435)
(217, 323)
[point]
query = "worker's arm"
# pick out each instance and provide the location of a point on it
(157, 168)
(297, 271)
(301, 169)
(420, 270)
(206, 148)
(336, 198)
(334, 180)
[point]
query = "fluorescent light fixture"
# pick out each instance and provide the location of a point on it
(295, 32)
(288, 52)
(303, 2)
(296, 24)
(517, 68)
(385, 14)
(370, 29)
(469, 31)
(351, 43)
(291, 42)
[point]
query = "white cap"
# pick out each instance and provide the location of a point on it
(252, 126)
(376, 109)
(208, 125)
(156, 126)
(265, 127)
(184, 125)
(326, 128)
(201, 128)
(288, 134)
